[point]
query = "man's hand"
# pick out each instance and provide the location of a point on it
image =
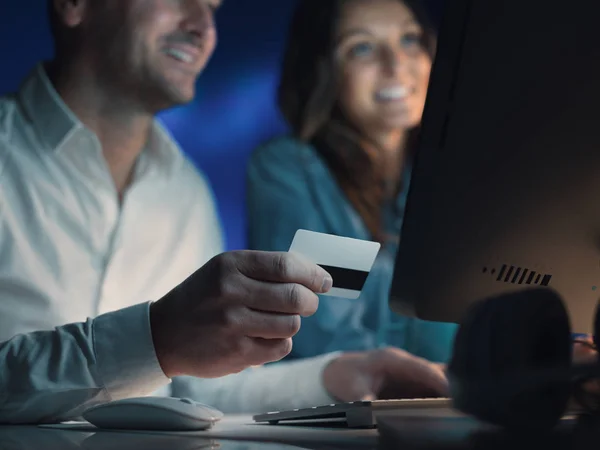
(239, 310)
(388, 373)
(584, 352)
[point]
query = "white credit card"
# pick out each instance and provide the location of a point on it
(349, 261)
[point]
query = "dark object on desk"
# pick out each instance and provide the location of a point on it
(512, 361)
(467, 433)
(499, 349)
(354, 414)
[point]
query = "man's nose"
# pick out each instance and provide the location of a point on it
(198, 17)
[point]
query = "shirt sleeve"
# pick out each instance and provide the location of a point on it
(282, 197)
(53, 376)
(273, 387)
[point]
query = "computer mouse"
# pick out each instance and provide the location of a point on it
(153, 413)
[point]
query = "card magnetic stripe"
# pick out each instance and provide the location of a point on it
(347, 278)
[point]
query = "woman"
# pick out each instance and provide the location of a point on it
(353, 87)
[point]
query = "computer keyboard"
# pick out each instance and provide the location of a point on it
(356, 414)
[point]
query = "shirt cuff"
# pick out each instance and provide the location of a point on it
(125, 356)
(308, 380)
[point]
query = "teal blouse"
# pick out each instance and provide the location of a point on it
(290, 187)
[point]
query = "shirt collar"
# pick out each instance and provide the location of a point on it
(52, 119)
(162, 148)
(56, 125)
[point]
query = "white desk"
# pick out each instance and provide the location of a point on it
(239, 433)
(233, 433)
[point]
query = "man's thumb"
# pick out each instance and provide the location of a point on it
(363, 390)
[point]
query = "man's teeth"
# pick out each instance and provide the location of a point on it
(393, 93)
(178, 54)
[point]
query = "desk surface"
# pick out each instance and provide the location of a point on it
(232, 433)
(239, 433)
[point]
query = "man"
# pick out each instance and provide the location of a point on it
(100, 213)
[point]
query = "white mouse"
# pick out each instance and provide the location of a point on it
(153, 413)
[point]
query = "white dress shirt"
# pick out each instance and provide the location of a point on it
(71, 253)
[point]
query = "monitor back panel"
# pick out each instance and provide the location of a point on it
(505, 192)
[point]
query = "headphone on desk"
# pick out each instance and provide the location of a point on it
(512, 361)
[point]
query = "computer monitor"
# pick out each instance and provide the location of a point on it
(505, 191)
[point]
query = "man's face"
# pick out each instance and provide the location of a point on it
(153, 49)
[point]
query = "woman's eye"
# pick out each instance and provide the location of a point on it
(411, 40)
(362, 49)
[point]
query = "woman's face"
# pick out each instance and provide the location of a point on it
(383, 67)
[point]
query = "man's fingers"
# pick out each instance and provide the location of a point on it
(281, 298)
(432, 377)
(584, 350)
(264, 325)
(418, 371)
(268, 350)
(281, 267)
(363, 389)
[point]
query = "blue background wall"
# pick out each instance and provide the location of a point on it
(235, 107)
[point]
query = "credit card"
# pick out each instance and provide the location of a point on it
(349, 261)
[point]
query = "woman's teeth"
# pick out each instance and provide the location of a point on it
(179, 55)
(392, 93)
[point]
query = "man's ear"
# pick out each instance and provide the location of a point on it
(70, 12)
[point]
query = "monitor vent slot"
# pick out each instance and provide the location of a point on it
(517, 275)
